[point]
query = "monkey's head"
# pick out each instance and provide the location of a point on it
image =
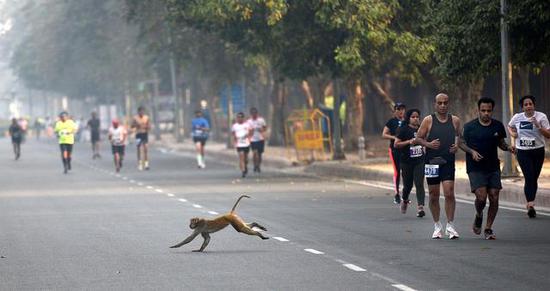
(194, 222)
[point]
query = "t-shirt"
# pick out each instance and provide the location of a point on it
(242, 131)
(411, 154)
(118, 135)
(529, 137)
(16, 131)
(65, 131)
(484, 140)
(94, 125)
(257, 125)
(393, 124)
(199, 127)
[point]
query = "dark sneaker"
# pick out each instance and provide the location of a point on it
(397, 199)
(531, 212)
(476, 227)
(404, 205)
(244, 174)
(420, 213)
(489, 235)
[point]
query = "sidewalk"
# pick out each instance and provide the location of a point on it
(376, 167)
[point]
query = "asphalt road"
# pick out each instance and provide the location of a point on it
(94, 229)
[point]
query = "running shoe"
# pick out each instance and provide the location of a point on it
(404, 205)
(531, 212)
(397, 199)
(476, 227)
(244, 174)
(489, 235)
(420, 212)
(450, 231)
(147, 165)
(438, 228)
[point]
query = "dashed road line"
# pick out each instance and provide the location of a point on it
(280, 238)
(213, 212)
(159, 191)
(403, 287)
(354, 267)
(197, 206)
(170, 195)
(314, 251)
(150, 187)
(182, 200)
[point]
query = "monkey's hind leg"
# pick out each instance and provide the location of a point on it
(206, 237)
(255, 224)
(241, 227)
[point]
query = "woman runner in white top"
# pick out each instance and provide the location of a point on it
(529, 129)
(242, 131)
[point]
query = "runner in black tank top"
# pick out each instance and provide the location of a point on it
(438, 133)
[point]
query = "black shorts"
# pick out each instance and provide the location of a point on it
(118, 149)
(142, 138)
(491, 180)
(446, 173)
(243, 149)
(66, 147)
(16, 140)
(95, 136)
(258, 146)
(200, 139)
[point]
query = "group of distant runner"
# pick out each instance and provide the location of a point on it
(427, 148)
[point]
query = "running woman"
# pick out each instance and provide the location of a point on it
(480, 139)
(241, 137)
(199, 131)
(390, 129)
(94, 126)
(529, 129)
(438, 132)
(257, 141)
(16, 133)
(117, 137)
(412, 161)
(141, 125)
(65, 128)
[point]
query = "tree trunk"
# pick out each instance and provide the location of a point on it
(464, 101)
(356, 116)
(278, 100)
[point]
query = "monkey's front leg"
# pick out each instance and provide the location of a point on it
(187, 240)
(206, 237)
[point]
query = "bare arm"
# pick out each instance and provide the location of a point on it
(386, 133)
(422, 133)
(463, 146)
(206, 237)
(187, 240)
(458, 129)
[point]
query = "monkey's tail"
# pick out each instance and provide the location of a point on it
(238, 200)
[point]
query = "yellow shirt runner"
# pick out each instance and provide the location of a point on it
(65, 131)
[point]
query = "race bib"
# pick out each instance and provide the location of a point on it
(198, 131)
(416, 151)
(527, 142)
(431, 171)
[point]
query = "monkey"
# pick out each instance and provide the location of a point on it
(205, 227)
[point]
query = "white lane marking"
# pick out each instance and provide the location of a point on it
(354, 267)
(132, 181)
(124, 178)
(213, 212)
(442, 198)
(150, 187)
(313, 251)
(280, 238)
(170, 195)
(117, 175)
(197, 206)
(159, 190)
(182, 200)
(140, 184)
(403, 287)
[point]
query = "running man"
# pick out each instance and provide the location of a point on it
(94, 127)
(241, 137)
(199, 131)
(389, 132)
(438, 132)
(141, 125)
(16, 133)
(65, 128)
(117, 137)
(480, 139)
(257, 141)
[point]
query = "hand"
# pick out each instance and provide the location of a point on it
(535, 122)
(476, 156)
(434, 144)
(512, 149)
(453, 149)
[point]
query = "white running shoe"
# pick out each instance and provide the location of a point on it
(140, 165)
(438, 228)
(450, 231)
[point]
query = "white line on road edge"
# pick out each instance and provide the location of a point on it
(354, 267)
(197, 206)
(213, 212)
(170, 195)
(159, 190)
(403, 287)
(182, 200)
(280, 238)
(150, 187)
(314, 251)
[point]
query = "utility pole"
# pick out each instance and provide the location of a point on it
(337, 124)
(154, 100)
(506, 77)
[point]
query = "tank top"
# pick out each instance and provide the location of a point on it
(446, 133)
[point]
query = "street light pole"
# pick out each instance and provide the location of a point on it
(506, 77)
